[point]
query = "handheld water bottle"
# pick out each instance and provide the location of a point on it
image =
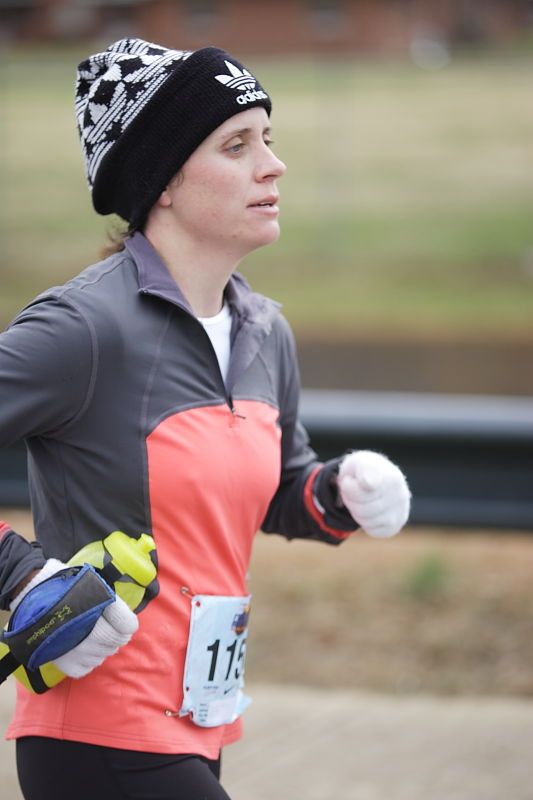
(127, 565)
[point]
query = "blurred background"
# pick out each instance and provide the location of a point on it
(405, 265)
(406, 210)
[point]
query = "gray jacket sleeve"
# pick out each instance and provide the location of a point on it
(305, 505)
(46, 363)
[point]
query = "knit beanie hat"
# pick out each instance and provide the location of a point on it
(142, 109)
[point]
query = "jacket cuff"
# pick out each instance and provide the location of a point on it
(18, 558)
(322, 503)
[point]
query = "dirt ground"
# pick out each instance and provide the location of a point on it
(436, 612)
(440, 612)
(445, 364)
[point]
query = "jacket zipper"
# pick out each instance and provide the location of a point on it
(235, 416)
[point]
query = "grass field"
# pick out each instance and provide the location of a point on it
(407, 205)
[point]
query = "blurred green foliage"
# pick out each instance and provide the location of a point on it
(427, 579)
(406, 209)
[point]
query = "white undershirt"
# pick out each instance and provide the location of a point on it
(218, 328)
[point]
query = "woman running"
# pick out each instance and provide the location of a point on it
(158, 393)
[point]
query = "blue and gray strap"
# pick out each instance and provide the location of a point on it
(53, 618)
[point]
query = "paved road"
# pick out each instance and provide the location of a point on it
(308, 745)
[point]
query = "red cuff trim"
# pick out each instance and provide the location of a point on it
(4, 529)
(315, 512)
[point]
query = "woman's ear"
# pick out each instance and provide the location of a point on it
(164, 200)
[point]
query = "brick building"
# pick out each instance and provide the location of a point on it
(279, 26)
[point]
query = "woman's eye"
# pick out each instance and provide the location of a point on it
(236, 148)
(269, 142)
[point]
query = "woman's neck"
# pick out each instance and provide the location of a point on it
(200, 274)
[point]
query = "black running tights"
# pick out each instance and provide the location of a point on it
(52, 769)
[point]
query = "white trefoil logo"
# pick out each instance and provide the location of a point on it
(241, 81)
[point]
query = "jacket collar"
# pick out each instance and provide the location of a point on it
(253, 314)
(154, 278)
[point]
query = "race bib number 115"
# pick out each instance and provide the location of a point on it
(214, 664)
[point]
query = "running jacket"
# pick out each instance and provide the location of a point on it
(116, 389)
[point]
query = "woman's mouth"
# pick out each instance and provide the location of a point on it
(266, 206)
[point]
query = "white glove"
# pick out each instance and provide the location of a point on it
(113, 629)
(375, 493)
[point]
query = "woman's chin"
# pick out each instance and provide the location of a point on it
(268, 236)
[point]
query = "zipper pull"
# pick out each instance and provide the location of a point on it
(233, 410)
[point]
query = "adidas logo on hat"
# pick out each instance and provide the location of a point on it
(242, 81)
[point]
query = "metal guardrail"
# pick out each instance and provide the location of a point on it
(468, 459)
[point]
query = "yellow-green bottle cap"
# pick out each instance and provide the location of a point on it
(132, 556)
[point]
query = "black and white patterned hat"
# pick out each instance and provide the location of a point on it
(142, 109)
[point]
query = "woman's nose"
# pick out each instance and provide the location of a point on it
(271, 166)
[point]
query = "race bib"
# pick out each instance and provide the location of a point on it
(214, 664)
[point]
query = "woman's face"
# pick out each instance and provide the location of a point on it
(225, 194)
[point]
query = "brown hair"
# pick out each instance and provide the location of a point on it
(116, 237)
